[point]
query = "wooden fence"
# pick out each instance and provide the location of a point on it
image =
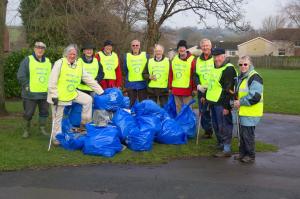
(273, 62)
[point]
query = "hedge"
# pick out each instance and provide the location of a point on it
(11, 65)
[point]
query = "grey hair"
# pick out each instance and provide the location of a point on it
(136, 41)
(69, 48)
(159, 46)
(245, 58)
(205, 40)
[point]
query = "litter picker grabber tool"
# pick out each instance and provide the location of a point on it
(51, 136)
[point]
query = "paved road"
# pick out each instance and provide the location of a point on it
(274, 175)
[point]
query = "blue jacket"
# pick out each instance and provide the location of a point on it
(255, 84)
(139, 85)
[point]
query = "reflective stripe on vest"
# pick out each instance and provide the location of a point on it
(39, 73)
(69, 79)
(136, 65)
(214, 89)
(203, 69)
(181, 72)
(91, 68)
(161, 71)
(109, 63)
(255, 110)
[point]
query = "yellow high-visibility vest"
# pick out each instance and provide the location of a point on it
(136, 65)
(109, 63)
(68, 81)
(214, 89)
(161, 71)
(255, 110)
(203, 69)
(39, 73)
(181, 72)
(91, 68)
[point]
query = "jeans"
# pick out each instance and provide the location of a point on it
(223, 126)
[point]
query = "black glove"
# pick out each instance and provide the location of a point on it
(55, 101)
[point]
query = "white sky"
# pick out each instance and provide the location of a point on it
(255, 12)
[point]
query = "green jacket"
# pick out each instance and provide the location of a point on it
(23, 78)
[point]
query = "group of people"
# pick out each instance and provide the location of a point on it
(220, 88)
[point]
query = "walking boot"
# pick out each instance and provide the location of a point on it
(42, 124)
(238, 157)
(26, 129)
(248, 160)
(222, 154)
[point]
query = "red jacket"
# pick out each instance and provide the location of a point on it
(111, 83)
(183, 91)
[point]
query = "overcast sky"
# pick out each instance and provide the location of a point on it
(255, 12)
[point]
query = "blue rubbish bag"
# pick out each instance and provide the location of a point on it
(126, 123)
(126, 102)
(73, 112)
(102, 141)
(149, 123)
(71, 141)
(170, 106)
(148, 107)
(66, 125)
(110, 100)
(187, 120)
(141, 140)
(171, 133)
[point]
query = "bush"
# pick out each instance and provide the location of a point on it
(11, 66)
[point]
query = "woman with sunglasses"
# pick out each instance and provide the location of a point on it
(250, 107)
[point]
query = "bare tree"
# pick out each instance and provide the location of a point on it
(158, 11)
(292, 10)
(272, 23)
(3, 4)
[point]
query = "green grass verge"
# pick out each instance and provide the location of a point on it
(18, 153)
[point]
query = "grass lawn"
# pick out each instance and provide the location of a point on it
(281, 91)
(17, 153)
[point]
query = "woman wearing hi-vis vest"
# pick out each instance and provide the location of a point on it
(181, 82)
(109, 66)
(65, 77)
(133, 67)
(157, 72)
(250, 107)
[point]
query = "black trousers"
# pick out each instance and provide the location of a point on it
(247, 141)
(134, 95)
(159, 99)
(29, 106)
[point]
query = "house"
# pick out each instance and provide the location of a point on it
(281, 42)
(258, 46)
(231, 49)
(286, 41)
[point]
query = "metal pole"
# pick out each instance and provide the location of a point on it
(51, 136)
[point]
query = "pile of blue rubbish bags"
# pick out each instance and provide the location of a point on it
(137, 128)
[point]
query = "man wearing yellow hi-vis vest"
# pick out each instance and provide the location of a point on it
(157, 72)
(204, 66)
(90, 64)
(250, 105)
(64, 80)
(134, 65)
(33, 76)
(218, 94)
(110, 66)
(181, 81)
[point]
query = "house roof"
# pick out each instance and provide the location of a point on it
(285, 34)
(226, 45)
(261, 38)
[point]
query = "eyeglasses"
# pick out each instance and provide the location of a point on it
(244, 64)
(135, 45)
